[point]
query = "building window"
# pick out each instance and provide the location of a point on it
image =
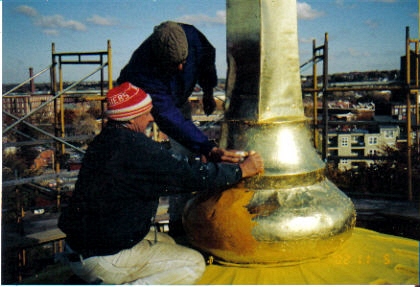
(344, 141)
(373, 140)
(389, 133)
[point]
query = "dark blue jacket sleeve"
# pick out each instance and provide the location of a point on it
(200, 66)
(171, 121)
(207, 75)
(168, 173)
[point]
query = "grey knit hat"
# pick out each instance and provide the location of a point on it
(170, 43)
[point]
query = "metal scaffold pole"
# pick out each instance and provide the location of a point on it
(409, 128)
(77, 58)
(315, 94)
(325, 101)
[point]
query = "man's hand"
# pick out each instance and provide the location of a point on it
(209, 104)
(252, 165)
(232, 156)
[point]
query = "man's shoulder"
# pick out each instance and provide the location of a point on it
(189, 29)
(187, 26)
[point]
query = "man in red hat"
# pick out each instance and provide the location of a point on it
(124, 172)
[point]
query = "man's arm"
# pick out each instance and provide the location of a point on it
(175, 173)
(171, 121)
(207, 78)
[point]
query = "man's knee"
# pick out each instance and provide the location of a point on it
(196, 267)
(197, 260)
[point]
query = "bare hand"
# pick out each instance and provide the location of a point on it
(252, 165)
(232, 156)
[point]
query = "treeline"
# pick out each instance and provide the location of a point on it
(369, 76)
(392, 75)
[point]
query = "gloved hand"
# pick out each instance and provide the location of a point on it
(209, 104)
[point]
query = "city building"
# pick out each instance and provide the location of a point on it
(352, 147)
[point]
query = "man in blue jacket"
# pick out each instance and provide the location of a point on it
(123, 174)
(168, 65)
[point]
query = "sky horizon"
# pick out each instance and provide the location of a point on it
(364, 35)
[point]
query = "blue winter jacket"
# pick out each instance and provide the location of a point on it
(170, 90)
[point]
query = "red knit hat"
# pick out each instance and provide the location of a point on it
(126, 102)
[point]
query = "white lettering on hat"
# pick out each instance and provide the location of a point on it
(118, 99)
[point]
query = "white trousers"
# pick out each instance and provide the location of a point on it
(153, 261)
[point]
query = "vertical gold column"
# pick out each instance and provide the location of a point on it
(263, 60)
(292, 213)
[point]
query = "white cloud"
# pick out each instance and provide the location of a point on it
(52, 23)
(219, 18)
(51, 32)
(371, 24)
(27, 10)
(221, 15)
(306, 12)
(305, 40)
(101, 21)
(58, 21)
(339, 2)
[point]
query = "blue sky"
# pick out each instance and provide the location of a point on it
(364, 35)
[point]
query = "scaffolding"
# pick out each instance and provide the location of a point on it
(409, 86)
(58, 93)
(18, 109)
(67, 58)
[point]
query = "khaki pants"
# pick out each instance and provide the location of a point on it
(151, 262)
